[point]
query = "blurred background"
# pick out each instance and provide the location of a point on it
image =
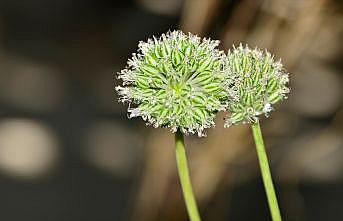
(68, 151)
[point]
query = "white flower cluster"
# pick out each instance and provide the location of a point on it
(257, 82)
(181, 81)
(175, 81)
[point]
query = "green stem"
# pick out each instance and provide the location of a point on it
(182, 167)
(266, 175)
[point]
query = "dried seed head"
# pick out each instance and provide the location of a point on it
(255, 82)
(175, 81)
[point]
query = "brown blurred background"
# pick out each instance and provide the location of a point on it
(68, 151)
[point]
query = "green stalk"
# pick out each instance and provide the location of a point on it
(266, 175)
(181, 161)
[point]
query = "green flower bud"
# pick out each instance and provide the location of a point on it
(254, 83)
(175, 81)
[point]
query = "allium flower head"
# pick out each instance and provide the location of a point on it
(175, 81)
(256, 82)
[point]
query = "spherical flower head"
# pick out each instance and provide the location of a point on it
(255, 82)
(175, 81)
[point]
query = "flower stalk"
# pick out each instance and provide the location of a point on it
(180, 81)
(181, 161)
(255, 82)
(176, 81)
(265, 171)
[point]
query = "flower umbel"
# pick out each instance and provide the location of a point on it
(256, 82)
(175, 81)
